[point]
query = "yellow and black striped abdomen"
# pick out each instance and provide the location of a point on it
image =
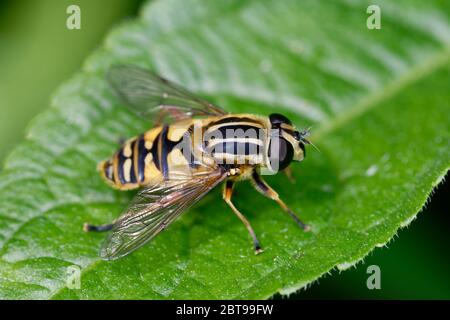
(147, 159)
(126, 168)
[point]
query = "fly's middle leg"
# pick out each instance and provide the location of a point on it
(266, 190)
(227, 192)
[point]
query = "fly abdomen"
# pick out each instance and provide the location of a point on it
(146, 160)
(131, 166)
(106, 169)
(125, 165)
(121, 170)
(143, 151)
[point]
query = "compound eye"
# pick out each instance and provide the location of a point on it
(277, 119)
(281, 153)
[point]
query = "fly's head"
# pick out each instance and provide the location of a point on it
(286, 143)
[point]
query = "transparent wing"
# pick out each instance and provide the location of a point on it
(145, 92)
(153, 209)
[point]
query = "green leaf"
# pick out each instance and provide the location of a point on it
(377, 101)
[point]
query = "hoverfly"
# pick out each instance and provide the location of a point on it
(192, 147)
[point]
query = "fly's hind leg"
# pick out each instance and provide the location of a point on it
(266, 190)
(104, 227)
(227, 192)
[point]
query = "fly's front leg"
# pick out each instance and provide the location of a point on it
(289, 175)
(266, 190)
(227, 192)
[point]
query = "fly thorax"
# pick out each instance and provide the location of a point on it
(234, 141)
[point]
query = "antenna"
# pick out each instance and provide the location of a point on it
(306, 133)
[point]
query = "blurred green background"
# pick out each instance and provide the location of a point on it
(37, 53)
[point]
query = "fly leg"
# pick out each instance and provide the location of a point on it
(227, 192)
(289, 175)
(104, 227)
(266, 190)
